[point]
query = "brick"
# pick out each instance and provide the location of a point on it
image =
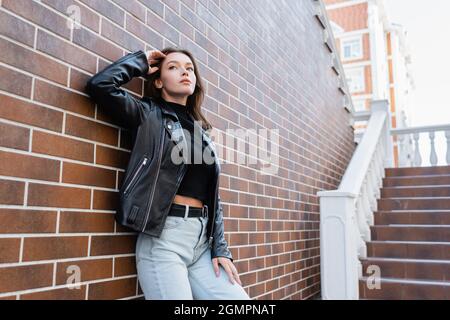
(62, 98)
(29, 113)
(121, 37)
(204, 42)
(10, 249)
(78, 80)
(107, 245)
(264, 275)
(15, 82)
(31, 167)
(247, 225)
(246, 252)
(16, 29)
(87, 17)
(86, 222)
(65, 51)
(239, 239)
(105, 200)
(27, 221)
(57, 294)
(37, 13)
(58, 196)
(132, 7)
(14, 137)
(175, 21)
(112, 157)
(96, 44)
(124, 266)
(113, 289)
(62, 147)
(91, 130)
(255, 238)
(142, 31)
(256, 289)
(88, 175)
(159, 25)
(46, 248)
(12, 192)
(107, 9)
(155, 6)
(32, 62)
(89, 270)
(25, 277)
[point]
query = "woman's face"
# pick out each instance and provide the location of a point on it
(175, 68)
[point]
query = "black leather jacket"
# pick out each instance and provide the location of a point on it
(151, 179)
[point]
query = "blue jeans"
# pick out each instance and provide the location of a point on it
(178, 265)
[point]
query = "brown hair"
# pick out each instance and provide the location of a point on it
(194, 101)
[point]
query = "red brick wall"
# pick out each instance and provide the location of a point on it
(330, 2)
(62, 160)
(350, 18)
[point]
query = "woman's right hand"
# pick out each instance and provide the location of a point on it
(154, 57)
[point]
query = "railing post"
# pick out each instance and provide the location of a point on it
(383, 105)
(339, 263)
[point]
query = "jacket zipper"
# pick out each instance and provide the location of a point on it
(157, 175)
(133, 179)
(214, 212)
(180, 177)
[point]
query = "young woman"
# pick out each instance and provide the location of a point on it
(167, 195)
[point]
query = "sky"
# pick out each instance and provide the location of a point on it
(428, 25)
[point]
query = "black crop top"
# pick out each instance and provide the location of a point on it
(196, 182)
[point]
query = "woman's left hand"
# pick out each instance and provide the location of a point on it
(229, 268)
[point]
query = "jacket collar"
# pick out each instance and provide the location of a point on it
(170, 112)
(166, 111)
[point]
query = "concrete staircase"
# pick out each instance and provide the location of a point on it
(411, 236)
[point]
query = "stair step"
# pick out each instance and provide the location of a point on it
(411, 233)
(417, 180)
(428, 203)
(411, 236)
(412, 217)
(415, 191)
(417, 171)
(399, 289)
(408, 250)
(438, 270)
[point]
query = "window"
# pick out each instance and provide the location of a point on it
(351, 48)
(355, 79)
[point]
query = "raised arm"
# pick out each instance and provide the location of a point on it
(104, 89)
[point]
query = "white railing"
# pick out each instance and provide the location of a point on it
(346, 214)
(411, 147)
(409, 155)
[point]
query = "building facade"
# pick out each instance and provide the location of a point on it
(376, 59)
